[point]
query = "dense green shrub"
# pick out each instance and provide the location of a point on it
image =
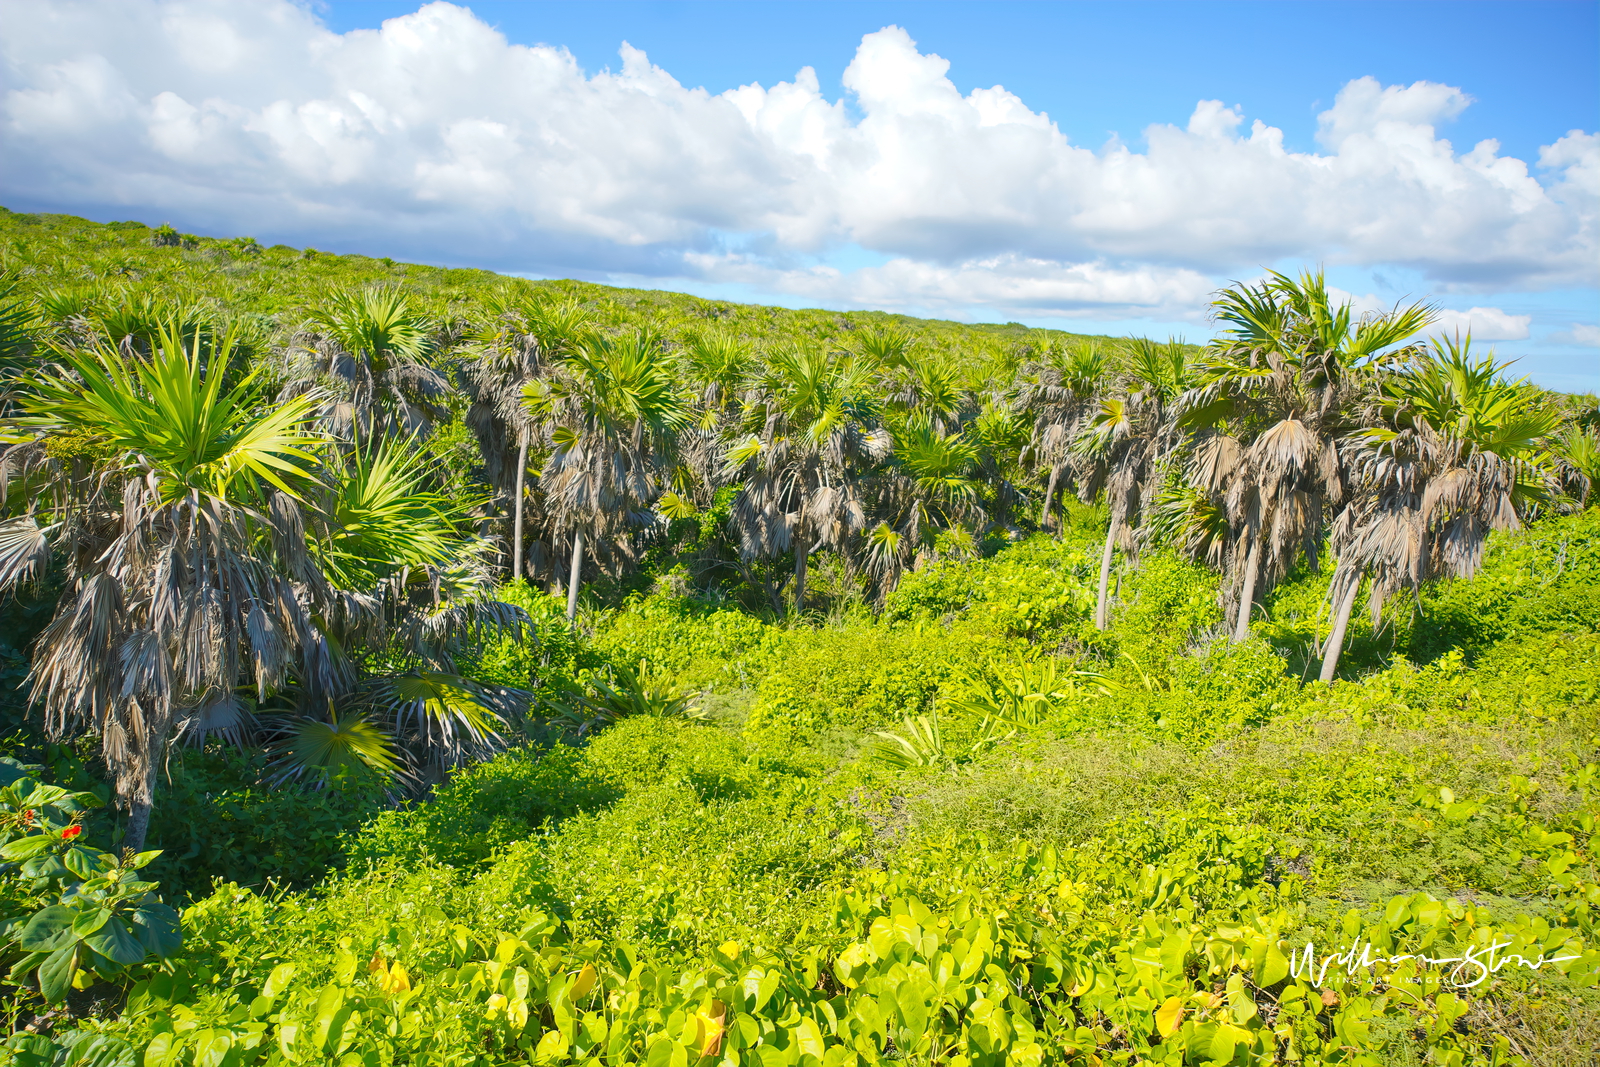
(1543, 579)
(485, 807)
(697, 644)
(217, 817)
(858, 674)
(548, 655)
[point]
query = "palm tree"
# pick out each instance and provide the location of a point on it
(1277, 391)
(927, 488)
(374, 357)
(521, 337)
(718, 366)
(175, 501)
(809, 430)
(1453, 450)
(610, 410)
(1128, 439)
(405, 589)
(1060, 387)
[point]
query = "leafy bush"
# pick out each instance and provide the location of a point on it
(860, 675)
(699, 645)
(73, 914)
(218, 816)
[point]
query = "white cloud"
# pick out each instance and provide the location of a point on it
(1484, 324)
(1581, 333)
(435, 137)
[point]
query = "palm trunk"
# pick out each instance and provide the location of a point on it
(1049, 497)
(1247, 597)
(1341, 622)
(138, 825)
(577, 572)
(522, 471)
(1101, 610)
(139, 806)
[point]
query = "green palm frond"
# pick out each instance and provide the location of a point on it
(939, 464)
(381, 519)
(175, 416)
(376, 324)
(676, 506)
(630, 694)
(444, 703)
(319, 749)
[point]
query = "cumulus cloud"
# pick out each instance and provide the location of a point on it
(438, 137)
(1484, 324)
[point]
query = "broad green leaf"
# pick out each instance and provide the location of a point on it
(43, 931)
(158, 928)
(87, 863)
(116, 942)
(808, 1037)
(57, 971)
(26, 847)
(88, 922)
(278, 980)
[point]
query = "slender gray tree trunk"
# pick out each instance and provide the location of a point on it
(139, 806)
(522, 471)
(1341, 622)
(138, 825)
(1103, 604)
(1247, 597)
(1049, 497)
(576, 574)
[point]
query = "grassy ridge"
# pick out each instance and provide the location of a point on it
(270, 289)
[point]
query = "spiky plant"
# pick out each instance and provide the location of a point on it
(172, 493)
(371, 356)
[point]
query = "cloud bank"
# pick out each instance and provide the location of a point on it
(435, 137)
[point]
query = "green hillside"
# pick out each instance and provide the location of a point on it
(240, 278)
(871, 690)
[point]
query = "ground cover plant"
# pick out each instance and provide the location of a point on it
(413, 666)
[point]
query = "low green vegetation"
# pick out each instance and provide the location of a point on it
(1005, 782)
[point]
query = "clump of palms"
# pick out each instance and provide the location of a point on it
(610, 411)
(927, 490)
(222, 559)
(1278, 390)
(523, 334)
(177, 517)
(1452, 450)
(1126, 442)
(810, 434)
(1059, 386)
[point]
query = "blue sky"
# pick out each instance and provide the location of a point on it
(1099, 69)
(1099, 192)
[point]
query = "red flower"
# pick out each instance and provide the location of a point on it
(27, 816)
(70, 832)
